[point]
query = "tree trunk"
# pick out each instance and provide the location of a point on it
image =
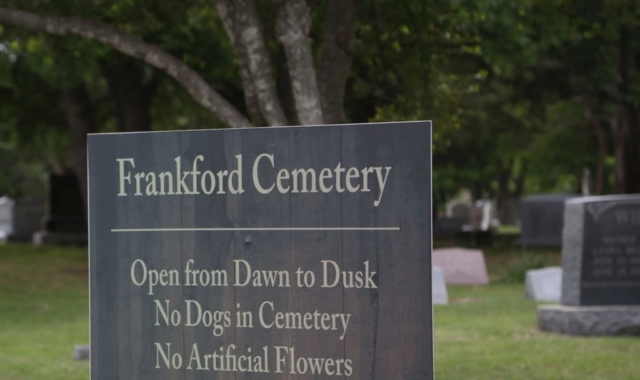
(632, 153)
(602, 156)
(504, 200)
(226, 12)
(293, 26)
(336, 57)
(244, 28)
(476, 190)
(132, 95)
(601, 138)
(619, 135)
(284, 88)
(80, 116)
(133, 47)
(626, 128)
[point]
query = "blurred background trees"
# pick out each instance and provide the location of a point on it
(524, 95)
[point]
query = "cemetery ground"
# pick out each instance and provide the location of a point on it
(484, 333)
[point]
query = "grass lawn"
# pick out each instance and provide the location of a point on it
(490, 334)
(44, 311)
(485, 333)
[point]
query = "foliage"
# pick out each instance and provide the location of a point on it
(545, 66)
(20, 177)
(411, 63)
(516, 273)
(514, 88)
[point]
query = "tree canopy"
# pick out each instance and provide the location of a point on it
(524, 95)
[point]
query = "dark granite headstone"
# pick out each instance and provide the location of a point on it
(509, 211)
(601, 253)
(447, 227)
(65, 221)
(601, 268)
(27, 214)
(542, 220)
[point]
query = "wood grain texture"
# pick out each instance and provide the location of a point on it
(389, 334)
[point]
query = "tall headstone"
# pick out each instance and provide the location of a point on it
(270, 253)
(65, 221)
(601, 268)
(542, 220)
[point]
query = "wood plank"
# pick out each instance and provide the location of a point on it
(389, 330)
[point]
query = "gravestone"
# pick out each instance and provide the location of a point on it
(542, 220)
(65, 221)
(266, 253)
(509, 211)
(27, 216)
(81, 352)
(478, 231)
(459, 210)
(447, 227)
(6, 217)
(475, 217)
(544, 284)
(461, 266)
(19, 219)
(440, 295)
(601, 268)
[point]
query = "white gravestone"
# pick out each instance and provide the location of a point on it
(440, 296)
(545, 284)
(6, 217)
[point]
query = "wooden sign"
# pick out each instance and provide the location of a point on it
(267, 253)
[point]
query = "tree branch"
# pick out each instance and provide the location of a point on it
(243, 26)
(132, 97)
(293, 26)
(131, 46)
(336, 57)
(602, 142)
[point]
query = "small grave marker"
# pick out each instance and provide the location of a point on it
(440, 295)
(544, 284)
(461, 266)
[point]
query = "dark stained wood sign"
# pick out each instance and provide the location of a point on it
(272, 253)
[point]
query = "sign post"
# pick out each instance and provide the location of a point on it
(298, 252)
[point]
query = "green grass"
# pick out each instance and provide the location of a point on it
(485, 333)
(508, 229)
(490, 333)
(44, 311)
